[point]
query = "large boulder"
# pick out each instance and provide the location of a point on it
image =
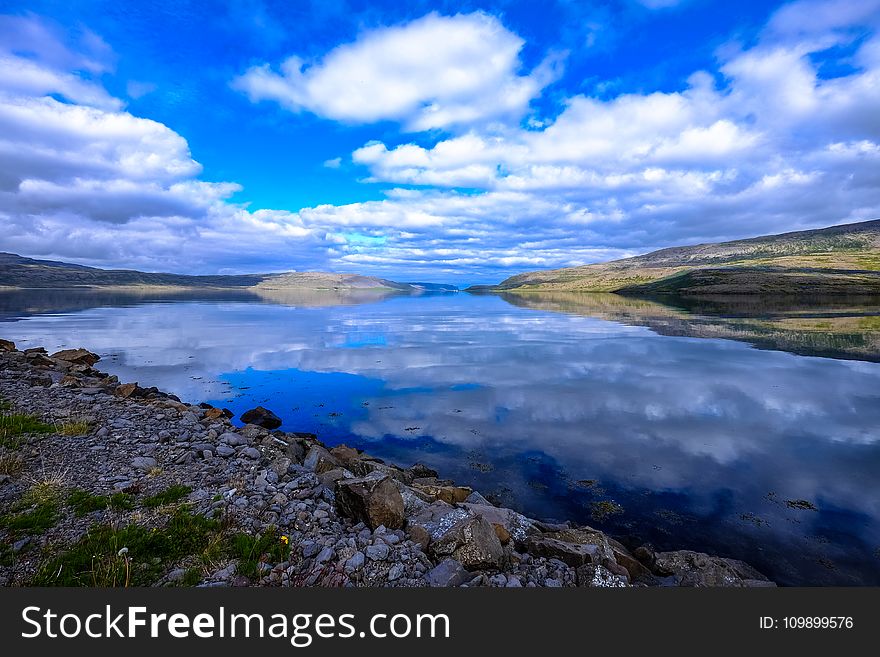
(319, 460)
(508, 524)
(373, 499)
(569, 553)
(595, 575)
(687, 568)
(7, 345)
(126, 390)
(346, 455)
(433, 521)
(78, 356)
(448, 494)
(472, 542)
(262, 417)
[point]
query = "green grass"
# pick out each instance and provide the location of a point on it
(249, 549)
(74, 428)
(36, 520)
(7, 557)
(11, 464)
(192, 577)
(14, 426)
(95, 560)
(170, 495)
(84, 502)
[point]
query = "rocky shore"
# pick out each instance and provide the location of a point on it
(108, 483)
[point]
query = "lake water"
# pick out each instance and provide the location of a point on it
(681, 426)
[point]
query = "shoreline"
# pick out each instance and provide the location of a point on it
(198, 501)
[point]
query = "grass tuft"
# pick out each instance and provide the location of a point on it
(36, 520)
(132, 555)
(84, 502)
(74, 428)
(170, 495)
(11, 464)
(251, 550)
(15, 426)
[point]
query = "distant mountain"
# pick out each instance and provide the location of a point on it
(435, 287)
(836, 260)
(19, 272)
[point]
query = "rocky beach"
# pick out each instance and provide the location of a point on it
(107, 483)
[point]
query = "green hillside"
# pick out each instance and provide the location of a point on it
(836, 260)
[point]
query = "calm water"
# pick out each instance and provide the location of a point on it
(647, 421)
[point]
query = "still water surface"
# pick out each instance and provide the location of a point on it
(677, 427)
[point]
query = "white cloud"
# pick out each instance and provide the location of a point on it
(333, 163)
(434, 72)
(763, 143)
(713, 161)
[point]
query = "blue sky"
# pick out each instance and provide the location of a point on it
(439, 141)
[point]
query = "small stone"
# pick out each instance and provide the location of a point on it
(396, 572)
(513, 582)
(251, 452)
(448, 572)
(325, 555)
(233, 439)
(377, 552)
(356, 562)
(225, 451)
(144, 463)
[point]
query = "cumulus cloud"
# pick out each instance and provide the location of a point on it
(82, 179)
(434, 72)
(734, 153)
(765, 142)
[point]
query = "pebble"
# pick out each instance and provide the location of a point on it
(377, 552)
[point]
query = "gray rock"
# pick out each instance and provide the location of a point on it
(319, 460)
(377, 552)
(233, 439)
(262, 417)
(396, 572)
(373, 500)
(448, 572)
(702, 570)
(476, 498)
(473, 542)
(355, 562)
(597, 576)
(513, 582)
(144, 463)
(571, 554)
(225, 451)
(251, 453)
(325, 555)
(509, 524)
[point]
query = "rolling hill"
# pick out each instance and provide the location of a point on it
(837, 260)
(20, 272)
